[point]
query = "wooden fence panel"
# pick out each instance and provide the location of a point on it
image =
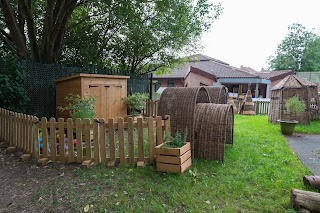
(23, 131)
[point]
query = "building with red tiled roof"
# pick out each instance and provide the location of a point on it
(203, 70)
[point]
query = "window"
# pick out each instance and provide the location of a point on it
(170, 83)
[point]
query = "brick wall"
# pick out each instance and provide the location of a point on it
(194, 80)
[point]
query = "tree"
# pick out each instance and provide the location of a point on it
(138, 36)
(291, 50)
(35, 29)
(311, 57)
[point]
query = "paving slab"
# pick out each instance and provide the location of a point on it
(307, 148)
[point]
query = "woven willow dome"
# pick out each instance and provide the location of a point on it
(191, 108)
(293, 86)
(180, 103)
(213, 129)
(218, 94)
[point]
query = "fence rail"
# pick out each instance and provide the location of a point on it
(98, 140)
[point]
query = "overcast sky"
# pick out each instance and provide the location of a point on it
(248, 31)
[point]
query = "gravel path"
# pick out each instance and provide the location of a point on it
(307, 148)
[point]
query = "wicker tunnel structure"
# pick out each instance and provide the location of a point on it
(180, 103)
(218, 94)
(294, 86)
(213, 129)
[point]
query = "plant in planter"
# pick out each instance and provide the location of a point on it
(79, 107)
(294, 108)
(174, 154)
(136, 103)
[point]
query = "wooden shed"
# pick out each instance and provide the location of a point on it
(109, 91)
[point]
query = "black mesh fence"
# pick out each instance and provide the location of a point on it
(40, 83)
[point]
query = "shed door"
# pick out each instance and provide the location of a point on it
(108, 101)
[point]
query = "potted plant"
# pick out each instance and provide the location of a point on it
(294, 108)
(136, 103)
(174, 154)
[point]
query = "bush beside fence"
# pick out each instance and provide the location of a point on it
(97, 140)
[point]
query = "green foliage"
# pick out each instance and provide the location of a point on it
(137, 36)
(176, 141)
(290, 52)
(13, 95)
(136, 102)
(294, 107)
(79, 107)
(311, 56)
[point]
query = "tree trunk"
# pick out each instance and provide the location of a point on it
(312, 181)
(308, 201)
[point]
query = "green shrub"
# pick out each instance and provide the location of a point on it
(79, 107)
(13, 95)
(175, 142)
(136, 102)
(294, 107)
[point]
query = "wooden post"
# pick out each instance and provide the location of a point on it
(112, 143)
(103, 146)
(24, 135)
(151, 140)
(167, 125)
(70, 140)
(30, 133)
(140, 143)
(79, 140)
(87, 139)
(53, 139)
(36, 145)
(96, 141)
(130, 140)
(45, 137)
(159, 130)
(121, 141)
(14, 130)
(19, 131)
(312, 181)
(305, 200)
(62, 153)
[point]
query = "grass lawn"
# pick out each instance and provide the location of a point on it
(313, 128)
(257, 175)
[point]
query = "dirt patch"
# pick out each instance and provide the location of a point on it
(23, 183)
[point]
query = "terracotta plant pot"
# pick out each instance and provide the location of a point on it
(287, 127)
(175, 160)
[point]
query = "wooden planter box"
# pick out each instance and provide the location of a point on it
(175, 160)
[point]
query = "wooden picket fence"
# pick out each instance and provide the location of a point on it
(97, 140)
(262, 107)
(151, 109)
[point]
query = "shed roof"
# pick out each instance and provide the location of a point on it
(293, 82)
